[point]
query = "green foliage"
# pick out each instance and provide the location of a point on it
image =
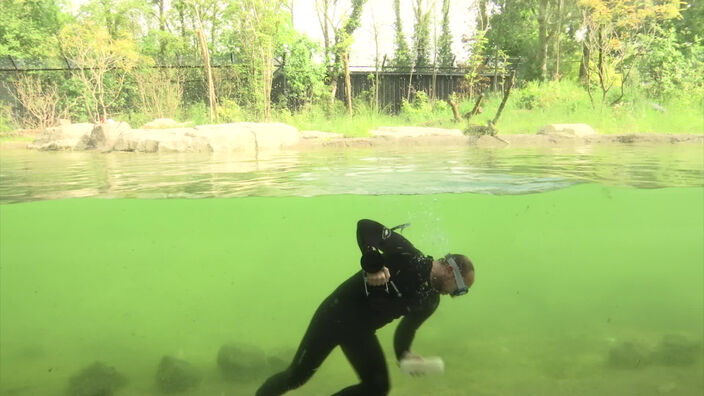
(475, 46)
(445, 56)
(402, 55)
(229, 111)
(567, 102)
(197, 113)
(28, 28)
(421, 36)
(304, 78)
(118, 17)
(690, 27)
(7, 124)
(514, 29)
(254, 37)
(541, 96)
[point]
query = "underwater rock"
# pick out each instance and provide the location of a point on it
(627, 355)
(176, 375)
(241, 362)
(280, 360)
(676, 350)
(97, 379)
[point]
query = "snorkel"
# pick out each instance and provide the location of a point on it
(459, 280)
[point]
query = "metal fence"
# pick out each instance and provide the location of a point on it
(394, 85)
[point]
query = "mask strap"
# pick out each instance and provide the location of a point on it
(459, 280)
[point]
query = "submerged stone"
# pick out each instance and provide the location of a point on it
(97, 379)
(176, 375)
(627, 355)
(241, 362)
(676, 350)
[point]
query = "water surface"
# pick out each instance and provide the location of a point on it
(29, 175)
(578, 255)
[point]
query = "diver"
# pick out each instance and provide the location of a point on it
(396, 280)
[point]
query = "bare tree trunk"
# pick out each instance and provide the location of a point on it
(267, 78)
(503, 101)
(410, 86)
(477, 107)
(584, 64)
(455, 110)
(209, 75)
(348, 83)
(182, 19)
(558, 35)
(162, 28)
(600, 67)
(333, 92)
(543, 39)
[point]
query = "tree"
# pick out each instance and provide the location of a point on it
(28, 28)
(102, 64)
(120, 18)
(445, 57)
(619, 33)
(421, 36)
(303, 75)
(402, 55)
(343, 41)
(256, 28)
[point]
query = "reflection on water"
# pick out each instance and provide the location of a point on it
(29, 175)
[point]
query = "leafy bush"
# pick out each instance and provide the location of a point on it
(229, 111)
(6, 121)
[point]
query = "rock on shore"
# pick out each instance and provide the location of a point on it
(255, 138)
(118, 136)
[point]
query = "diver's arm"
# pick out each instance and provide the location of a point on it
(374, 239)
(406, 329)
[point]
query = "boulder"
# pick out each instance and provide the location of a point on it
(64, 137)
(676, 350)
(320, 135)
(273, 136)
(402, 132)
(568, 130)
(118, 136)
(241, 363)
(628, 355)
(97, 379)
(227, 137)
(103, 136)
(166, 140)
(176, 375)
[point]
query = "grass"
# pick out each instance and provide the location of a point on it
(534, 106)
(529, 108)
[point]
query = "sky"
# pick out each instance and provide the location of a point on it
(381, 14)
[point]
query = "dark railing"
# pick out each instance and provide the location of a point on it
(394, 84)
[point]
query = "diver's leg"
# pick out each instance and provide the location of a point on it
(316, 345)
(366, 356)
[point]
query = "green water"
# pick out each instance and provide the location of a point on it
(563, 278)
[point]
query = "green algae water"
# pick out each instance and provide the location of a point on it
(582, 288)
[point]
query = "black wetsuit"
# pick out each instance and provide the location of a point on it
(350, 316)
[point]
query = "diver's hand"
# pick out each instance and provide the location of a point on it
(410, 356)
(379, 278)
